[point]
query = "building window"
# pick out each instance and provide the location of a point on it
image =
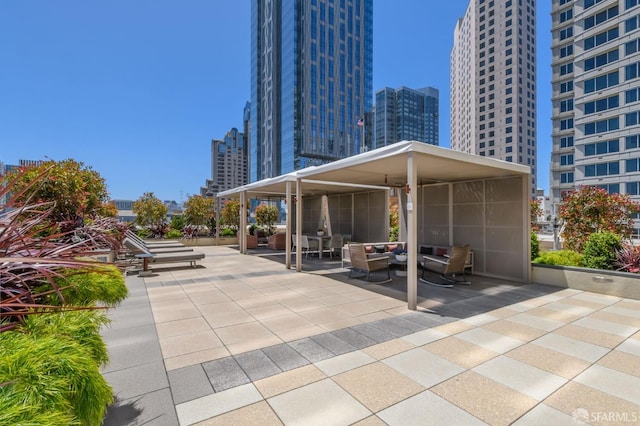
(566, 142)
(600, 148)
(631, 71)
(631, 118)
(600, 38)
(600, 17)
(567, 86)
(601, 105)
(566, 177)
(566, 105)
(601, 82)
(602, 169)
(601, 60)
(631, 165)
(566, 68)
(566, 15)
(566, 160)
(602, 126)
(566, 51)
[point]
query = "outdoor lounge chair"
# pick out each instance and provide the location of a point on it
(147, 256)
(449, 267)
(139, 247)
(153, 244)
(361, 263)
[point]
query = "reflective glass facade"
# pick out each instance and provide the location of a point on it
(406, 114)
(311, 81)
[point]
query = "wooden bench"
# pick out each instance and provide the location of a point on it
(361, 263)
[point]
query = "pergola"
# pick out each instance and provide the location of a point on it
(446, 197)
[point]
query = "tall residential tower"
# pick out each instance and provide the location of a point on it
(493, 82)
(405, 114)
(596, 94)
(311, 81)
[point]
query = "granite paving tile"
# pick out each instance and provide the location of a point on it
(225, 373)
(612, 382)
(246, 416)
(546, 359)
(373, 333)
(486, 399)
(311, 350)
(461, 352)
(621, 361)
(423, 366)
(189, 383)
(332, 343)
(344, 362)
(353, 338)
(199, 409)
(427, 408)
(257, 365)
(285, 357)
(289, 380)
(576, 348)
(522, 377)
(322, 403)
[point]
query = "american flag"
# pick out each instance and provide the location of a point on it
(361, 122)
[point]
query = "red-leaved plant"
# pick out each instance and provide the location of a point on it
(35, 256)
(628, 258)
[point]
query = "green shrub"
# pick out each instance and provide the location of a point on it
(174, 233)
(49, 371)
(104, 285)
(600, 250)
(228, 232)
(144, 233)
(560, 257)
(535, 245)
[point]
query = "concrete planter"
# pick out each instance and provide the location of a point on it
(209, 241)
(614, 283)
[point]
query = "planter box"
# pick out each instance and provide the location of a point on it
(614, 283)
(209, 241)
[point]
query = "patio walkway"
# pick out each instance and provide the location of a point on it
(241, 340)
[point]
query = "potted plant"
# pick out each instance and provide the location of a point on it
(320, 232)
(252, 238)
(401, 254)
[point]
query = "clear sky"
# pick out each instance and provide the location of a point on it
(137, 89)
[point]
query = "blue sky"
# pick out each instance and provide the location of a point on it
(137, 89)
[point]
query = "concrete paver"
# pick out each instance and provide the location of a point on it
(243, 341)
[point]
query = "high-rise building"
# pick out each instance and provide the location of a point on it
(311, 81)
(405, 114)
(228, 163)
(493, 82)
(596, 90)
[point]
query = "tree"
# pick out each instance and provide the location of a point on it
(230, 214)
(78, 191)
(536, 211)
(267, 215)
(590, 209)
(149, 210)
(198, 210)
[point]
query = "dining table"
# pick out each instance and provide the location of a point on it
(320, 239)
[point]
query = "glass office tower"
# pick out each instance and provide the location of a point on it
(406, 114)
(311, 82)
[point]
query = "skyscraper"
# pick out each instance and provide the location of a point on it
(228, 163)
(493, 82)
(311, 81)
(405, 114)
(596, 89)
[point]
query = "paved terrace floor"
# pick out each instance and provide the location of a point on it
(241, 340)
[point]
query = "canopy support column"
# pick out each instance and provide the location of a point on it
(298, 225)
(242, 237)
(288, 221)
(412, 233)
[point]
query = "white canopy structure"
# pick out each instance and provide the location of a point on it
(446, 197)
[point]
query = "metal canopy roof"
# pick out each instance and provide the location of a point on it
(382, 168)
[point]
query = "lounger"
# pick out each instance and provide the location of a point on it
(153, 245)
(190, 257)
(137, 247)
